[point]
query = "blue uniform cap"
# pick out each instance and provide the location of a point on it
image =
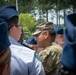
(58, 29)
(4, 41)
(31, 40)
(68, 57)
(8, 12)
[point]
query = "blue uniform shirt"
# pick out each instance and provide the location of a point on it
(24, 61)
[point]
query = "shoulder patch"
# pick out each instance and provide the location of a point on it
(37, 56)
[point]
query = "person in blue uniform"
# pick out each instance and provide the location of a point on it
(68, 58)
(5, 53)
(31, 42)
(59, 35)
(24, 61)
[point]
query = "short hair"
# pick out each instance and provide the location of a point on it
(12, 21)
(51, 32)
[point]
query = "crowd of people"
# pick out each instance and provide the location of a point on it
(57, 46)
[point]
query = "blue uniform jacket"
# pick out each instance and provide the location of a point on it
(24, 60)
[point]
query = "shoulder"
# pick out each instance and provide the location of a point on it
(23, 53)
(53, 48)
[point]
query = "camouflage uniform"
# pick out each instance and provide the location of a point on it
(50, 57)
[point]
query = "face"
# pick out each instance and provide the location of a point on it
(40, 38)
(21, 37)
(60, 39)
(16, 31)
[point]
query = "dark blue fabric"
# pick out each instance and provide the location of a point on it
(31, 40)
(68, 57)
(4, 41)
(58, 29)
(8, 12)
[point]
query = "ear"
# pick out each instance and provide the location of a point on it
(13, 29)
(46, 34)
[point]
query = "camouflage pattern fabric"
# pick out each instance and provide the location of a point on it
(50, 57)
(43, 26)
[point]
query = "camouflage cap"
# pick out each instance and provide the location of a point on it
(43, 26)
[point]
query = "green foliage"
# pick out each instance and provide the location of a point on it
(28, 24)
(45, 4)
(43, 7)
(26, 6)
(7, 2)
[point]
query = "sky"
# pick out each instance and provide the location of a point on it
(50, 16)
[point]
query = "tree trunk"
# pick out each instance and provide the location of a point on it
(59, 17)
(64, 15)
(46, 15)
(40, 16)
(74, 8)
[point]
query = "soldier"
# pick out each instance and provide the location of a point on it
(5, 53)
(59, 35)
(45, 37)
(68, 58)
(24, 60)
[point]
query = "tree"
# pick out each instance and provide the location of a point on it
(45, 6)
(28, 23)
(7, 2)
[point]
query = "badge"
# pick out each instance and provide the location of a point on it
(37, 56)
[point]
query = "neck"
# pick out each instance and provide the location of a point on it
(47, 44)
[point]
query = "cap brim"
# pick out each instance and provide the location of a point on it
(35, 33)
